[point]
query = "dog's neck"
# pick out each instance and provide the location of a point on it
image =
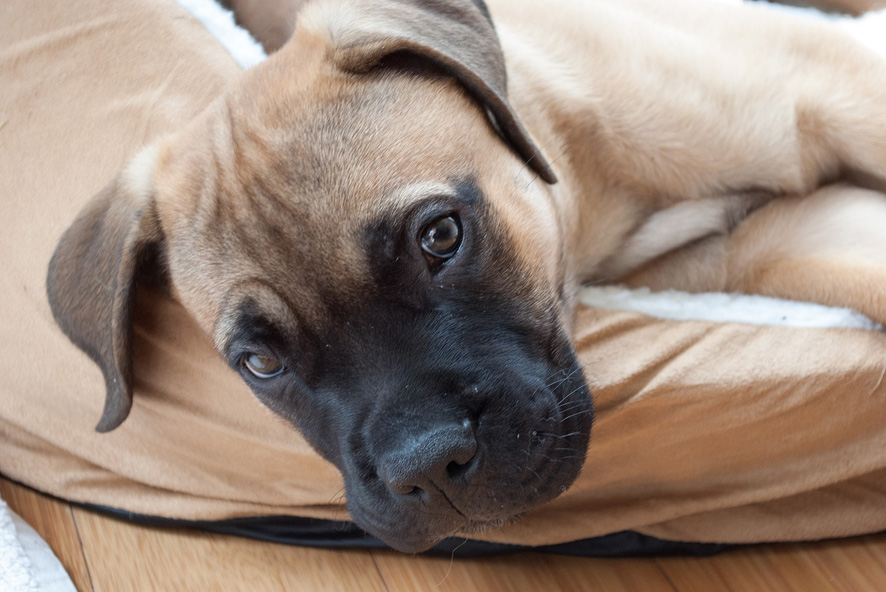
(562, 116)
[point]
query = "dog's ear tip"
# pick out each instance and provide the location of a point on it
(538, 163)
(91, 282)
(549, 176)
(117, 407)
(105, 425)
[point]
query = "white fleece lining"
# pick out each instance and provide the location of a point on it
(220, 23)
(26, 561)
(723, 308)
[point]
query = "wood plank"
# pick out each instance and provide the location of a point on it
(855, 564)
(122, 556)
(54, 521)
(529, 572)
(852, 565)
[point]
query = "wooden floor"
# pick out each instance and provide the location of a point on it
(104, 554)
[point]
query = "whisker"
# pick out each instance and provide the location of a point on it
(568, 417)
(451, 562)
(559, 436)
(564, 379)
(571, 406)
(577, 389)
(535, 175)
(337, 496)
(529, 160)
(568, 449)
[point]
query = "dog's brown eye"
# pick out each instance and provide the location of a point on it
(261, 366)
(441, 237)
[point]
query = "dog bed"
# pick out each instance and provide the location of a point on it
(707, 433)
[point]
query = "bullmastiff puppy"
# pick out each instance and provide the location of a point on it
(383, 226)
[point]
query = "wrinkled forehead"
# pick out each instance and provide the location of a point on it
(285, 175)
(340, 142)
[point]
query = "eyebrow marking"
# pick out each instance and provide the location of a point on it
(409, 194)
(266, 299)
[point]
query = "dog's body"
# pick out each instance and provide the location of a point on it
(677, 120)
(373, 239)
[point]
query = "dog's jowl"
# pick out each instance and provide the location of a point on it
(376, 243)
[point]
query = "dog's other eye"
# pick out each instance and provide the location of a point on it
(442, 237)
(261, 366)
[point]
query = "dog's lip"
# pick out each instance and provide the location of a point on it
(405, 541)
(455, 519)
(402, 537)
(410, 546)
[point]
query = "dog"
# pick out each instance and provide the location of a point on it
(384, 225)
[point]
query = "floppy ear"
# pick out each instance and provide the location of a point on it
(92, 276)
(455, 35)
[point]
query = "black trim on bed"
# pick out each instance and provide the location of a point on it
(314, 532)
(333, 534)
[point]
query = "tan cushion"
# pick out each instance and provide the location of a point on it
(705, 432)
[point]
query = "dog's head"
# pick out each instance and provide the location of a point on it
(356, 227)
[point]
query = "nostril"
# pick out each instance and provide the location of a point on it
(462, 460)
(411, 487)
(440, 458)
(408, 491)
(404, 488)
(456, 470)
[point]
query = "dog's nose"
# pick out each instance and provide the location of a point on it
(441, 457)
